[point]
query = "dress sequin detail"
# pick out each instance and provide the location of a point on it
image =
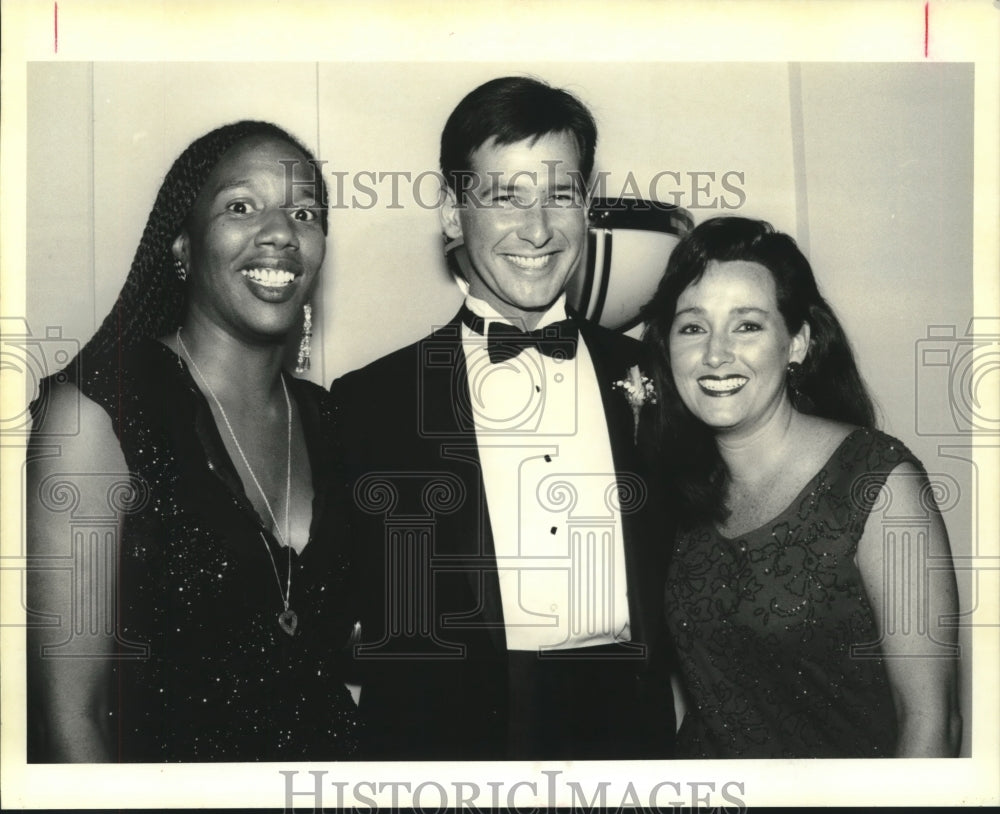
(222, 682)
(764, 623)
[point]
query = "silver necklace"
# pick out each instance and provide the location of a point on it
(287, 619)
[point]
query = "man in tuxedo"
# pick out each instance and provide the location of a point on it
(509, 553)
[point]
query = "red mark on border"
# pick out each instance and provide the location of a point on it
(55, 26)
(927, 29)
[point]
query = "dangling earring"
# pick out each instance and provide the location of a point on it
(305, 345)
(180, 270)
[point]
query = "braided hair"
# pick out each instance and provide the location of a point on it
(152, 300)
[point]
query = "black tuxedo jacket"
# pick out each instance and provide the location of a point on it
(433, 661)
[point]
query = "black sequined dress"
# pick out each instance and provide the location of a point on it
(774, 630)
(220, 680)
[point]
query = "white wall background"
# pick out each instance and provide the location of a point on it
(869, 166)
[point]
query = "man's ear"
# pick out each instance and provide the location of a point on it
(799, 348)
(449, 213)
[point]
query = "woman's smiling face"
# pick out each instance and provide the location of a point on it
(254, 242)
(730, 347)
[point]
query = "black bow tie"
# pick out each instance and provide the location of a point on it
(503, 341)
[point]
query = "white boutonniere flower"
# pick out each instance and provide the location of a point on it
(638, 389)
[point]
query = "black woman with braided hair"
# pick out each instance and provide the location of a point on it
(220, 619)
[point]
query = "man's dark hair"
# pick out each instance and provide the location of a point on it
(508, 110)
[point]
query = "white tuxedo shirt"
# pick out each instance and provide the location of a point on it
(549, 478)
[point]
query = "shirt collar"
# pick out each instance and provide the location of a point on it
(481, 308)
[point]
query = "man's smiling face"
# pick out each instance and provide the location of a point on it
(523, 221)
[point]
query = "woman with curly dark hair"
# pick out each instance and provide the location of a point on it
(207, 622)
(805, 625)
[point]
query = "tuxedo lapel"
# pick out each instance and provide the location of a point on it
(465, 535)
(611, 364)
(612, 356)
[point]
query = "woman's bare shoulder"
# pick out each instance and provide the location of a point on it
(81, 430)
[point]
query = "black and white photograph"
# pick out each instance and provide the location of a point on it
(512, 406)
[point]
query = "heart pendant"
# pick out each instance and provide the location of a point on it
(288, 621)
